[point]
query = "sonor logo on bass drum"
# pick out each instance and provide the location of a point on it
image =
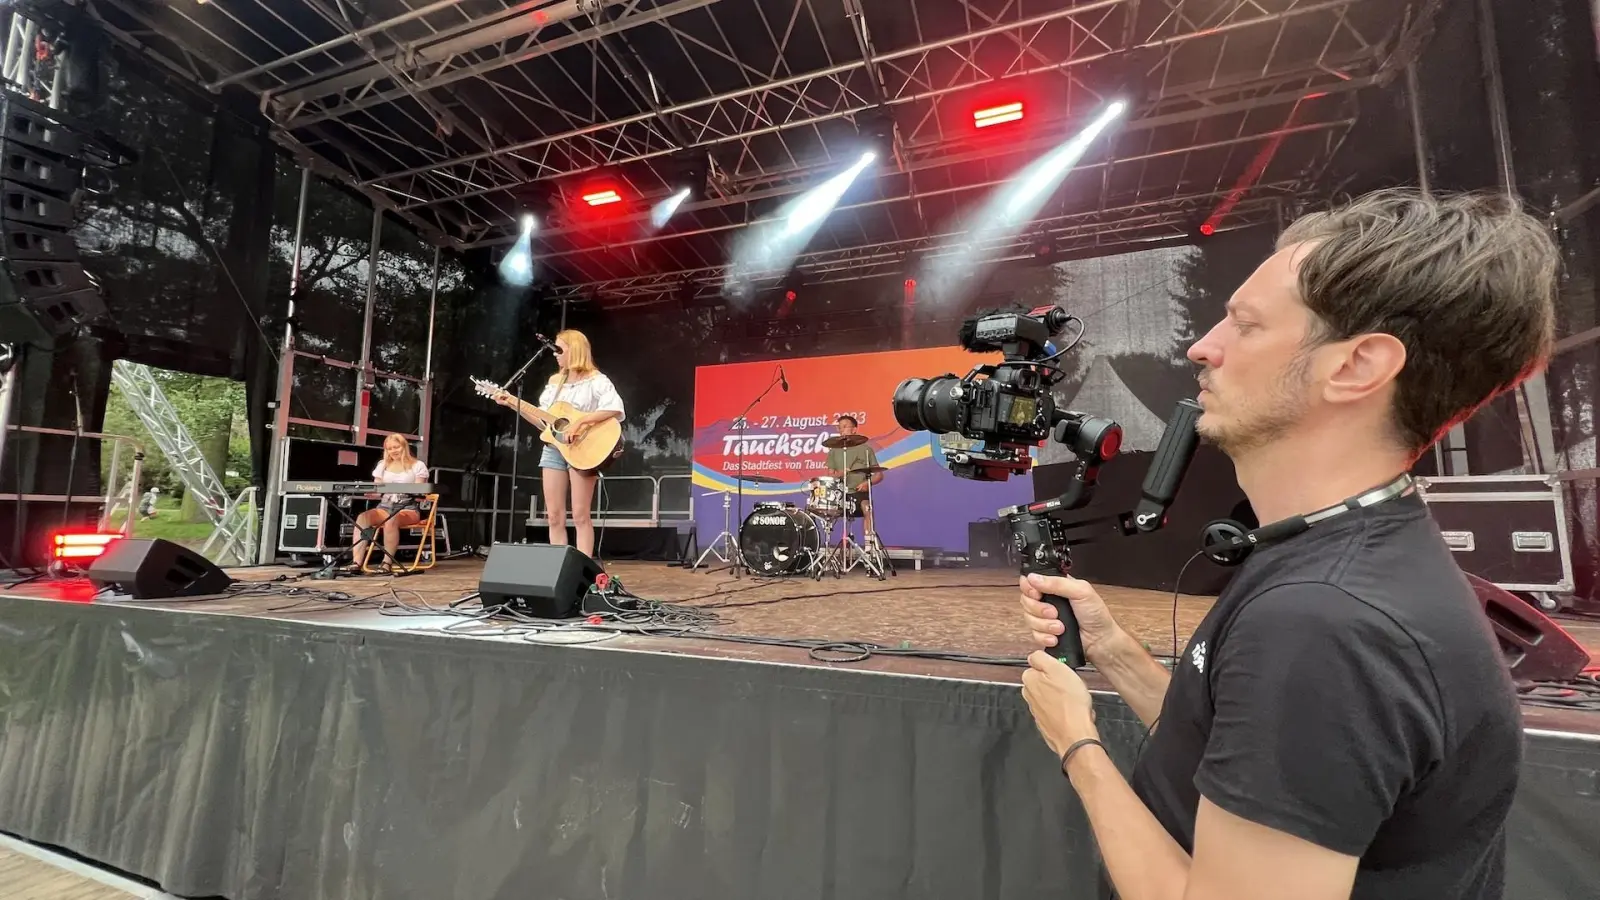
(769, 520)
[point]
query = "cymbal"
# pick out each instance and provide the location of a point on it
(844, 441)
(760, 479)
(869, 470)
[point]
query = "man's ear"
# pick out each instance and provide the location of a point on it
(1364, 365)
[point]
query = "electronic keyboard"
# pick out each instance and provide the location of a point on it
(355, 487)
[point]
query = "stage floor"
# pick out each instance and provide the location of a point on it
(362, 738)
(962, 623)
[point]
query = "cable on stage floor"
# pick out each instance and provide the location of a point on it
(1581, 693)
(652, 618)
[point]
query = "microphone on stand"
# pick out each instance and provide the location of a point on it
(782, 380)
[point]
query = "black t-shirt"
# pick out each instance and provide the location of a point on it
(1347, 689)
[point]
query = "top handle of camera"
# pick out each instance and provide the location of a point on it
(1168, 467)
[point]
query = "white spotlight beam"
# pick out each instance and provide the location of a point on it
(1013, 205)
(773, 245)
(662, 212)
(516, 267)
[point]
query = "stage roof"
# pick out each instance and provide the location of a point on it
(458, 114)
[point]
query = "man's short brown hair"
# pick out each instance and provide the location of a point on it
(1466, 282)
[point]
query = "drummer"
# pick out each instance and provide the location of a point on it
(846, 462)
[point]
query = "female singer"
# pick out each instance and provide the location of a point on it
(395, 511)
(583, 386)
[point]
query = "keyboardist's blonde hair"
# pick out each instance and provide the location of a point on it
(579, 362)
(406, 457)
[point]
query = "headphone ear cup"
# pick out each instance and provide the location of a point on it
(1223, 542)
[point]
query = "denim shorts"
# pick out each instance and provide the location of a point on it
(551, 458)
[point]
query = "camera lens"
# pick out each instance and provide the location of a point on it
(928, 404)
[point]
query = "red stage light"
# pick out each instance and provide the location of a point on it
(789, 296)
(80, 546)
(995, 115)
(1208, 229)
(601, 198)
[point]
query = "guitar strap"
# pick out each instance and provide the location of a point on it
(560, 383)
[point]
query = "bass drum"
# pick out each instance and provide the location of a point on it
(780, 541)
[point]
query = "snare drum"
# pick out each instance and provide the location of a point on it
(780, 541)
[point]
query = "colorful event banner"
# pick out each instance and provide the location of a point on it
(919, 503)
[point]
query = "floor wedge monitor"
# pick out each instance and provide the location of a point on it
(156, 569)
(545, 581)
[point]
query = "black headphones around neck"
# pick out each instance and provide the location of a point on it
(1229, 543)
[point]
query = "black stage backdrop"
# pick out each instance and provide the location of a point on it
(322, 762)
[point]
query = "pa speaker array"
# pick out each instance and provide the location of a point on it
(44, 291)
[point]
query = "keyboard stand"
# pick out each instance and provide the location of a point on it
(333, 570)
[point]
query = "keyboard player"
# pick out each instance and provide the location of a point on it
(395, 511)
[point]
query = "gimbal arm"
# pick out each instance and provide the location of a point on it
(1040, 539)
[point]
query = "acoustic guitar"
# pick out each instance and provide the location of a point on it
(600, 444)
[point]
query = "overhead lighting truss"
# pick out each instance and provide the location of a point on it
(444, 113)
(1094, 232)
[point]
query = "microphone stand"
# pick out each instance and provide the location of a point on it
(516, 440)
(72, 459)
(737, 565)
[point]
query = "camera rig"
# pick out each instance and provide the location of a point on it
(1009, 407)
(1040, 540)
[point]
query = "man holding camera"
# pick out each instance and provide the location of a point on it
(1341, 723)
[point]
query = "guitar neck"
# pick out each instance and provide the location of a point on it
(533, 413)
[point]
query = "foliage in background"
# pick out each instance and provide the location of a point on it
(208, 407)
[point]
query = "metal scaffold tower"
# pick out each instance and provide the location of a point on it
(233, 534)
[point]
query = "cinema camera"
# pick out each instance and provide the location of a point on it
(1009, 407)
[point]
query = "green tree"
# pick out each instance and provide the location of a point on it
(211, 409)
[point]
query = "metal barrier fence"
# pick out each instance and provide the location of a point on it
(468, 498)
(658, 510)
(623, 501)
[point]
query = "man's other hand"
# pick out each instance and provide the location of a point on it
(1096, 626)
(1059, 701)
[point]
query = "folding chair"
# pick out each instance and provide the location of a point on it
(426, 541)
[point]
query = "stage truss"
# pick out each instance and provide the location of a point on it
(454, 114)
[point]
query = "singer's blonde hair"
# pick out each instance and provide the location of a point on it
(579, 361)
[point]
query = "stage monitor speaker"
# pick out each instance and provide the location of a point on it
(1535, 647)
(155, 569)
(540, 580)
(45, 293)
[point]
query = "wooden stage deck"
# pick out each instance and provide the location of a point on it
(940, 612)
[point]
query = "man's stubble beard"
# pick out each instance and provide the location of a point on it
(1267, 419)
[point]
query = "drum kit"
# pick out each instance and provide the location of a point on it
(783, 539)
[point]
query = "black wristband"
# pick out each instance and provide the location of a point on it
(1076, 746)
